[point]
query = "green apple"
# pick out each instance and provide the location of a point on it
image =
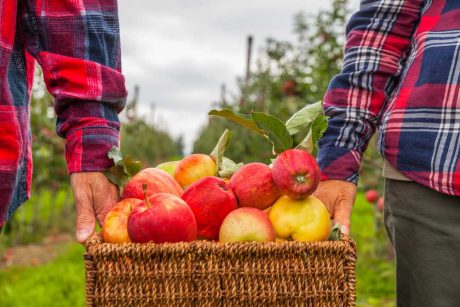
(168, 167)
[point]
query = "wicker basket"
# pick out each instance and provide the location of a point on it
(205, 273)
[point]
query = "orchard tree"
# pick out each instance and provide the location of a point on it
(151, 145)
(146, 141)
(50, 171)
(288, 75)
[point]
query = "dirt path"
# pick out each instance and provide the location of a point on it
(35, 254)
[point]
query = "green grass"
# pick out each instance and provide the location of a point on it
(375, 276)
(61, 281)
(58, 283)
(44, 213)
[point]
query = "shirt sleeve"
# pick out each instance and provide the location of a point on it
(77, 45)
(378, 40)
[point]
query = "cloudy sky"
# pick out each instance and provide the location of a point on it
(180, 51)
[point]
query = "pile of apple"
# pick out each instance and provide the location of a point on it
(186, 200)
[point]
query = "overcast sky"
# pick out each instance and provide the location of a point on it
(179, 52)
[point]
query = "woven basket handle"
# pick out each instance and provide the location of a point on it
(94, 239)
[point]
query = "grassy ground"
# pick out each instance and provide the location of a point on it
(61, 281)
(375, 276)
(57, 283)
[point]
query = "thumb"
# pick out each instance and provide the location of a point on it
(342, 216)
(86, 221)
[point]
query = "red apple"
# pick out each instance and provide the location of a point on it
(254, 187)
(296, 173)
(157, 181)
(210, 199)
(380, 203)
(372, 196)
(246, 225)
(115, 228)
(193, 168)
(162, 218)
(289, 87)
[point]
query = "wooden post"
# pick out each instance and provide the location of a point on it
(248, 70)
(223, 93)
(248, 59)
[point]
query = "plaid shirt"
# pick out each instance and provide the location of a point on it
(77, 46)
(401, 73)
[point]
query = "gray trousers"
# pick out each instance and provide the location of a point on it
(424, 227)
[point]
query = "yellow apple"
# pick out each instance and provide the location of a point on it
(304, 220)
(115, 228)
(194, 167)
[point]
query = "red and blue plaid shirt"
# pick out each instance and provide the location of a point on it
(77, 45)
(401, 73)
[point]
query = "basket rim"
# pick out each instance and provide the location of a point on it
(95, 242)
(96, 239)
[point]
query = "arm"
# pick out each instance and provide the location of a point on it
(378, 38)
(78, 47)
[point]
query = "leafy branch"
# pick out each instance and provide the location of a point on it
(310, 120)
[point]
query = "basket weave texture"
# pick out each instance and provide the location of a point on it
(203, 273)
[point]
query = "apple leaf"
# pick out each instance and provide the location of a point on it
(218, 152)
(131, 166)
(229, 167)
(318, 127)
(304, 117)
(335, 234)
(315, 131)
(115, 154)
(307, 143)
(117, 176)
(124, 168)
(275, 129)
(240, 119)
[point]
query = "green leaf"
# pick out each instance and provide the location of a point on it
(116, 175)
(229, 167)
(240, 119)
(275, 129)
(335, 234)
(115, 155)
(218, 152)
(131, 167)
(307, 143)
(124, 168)
(315, 131)
(318, 128)
(304, 117)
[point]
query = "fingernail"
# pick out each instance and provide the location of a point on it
(344, 229)
(82, 235)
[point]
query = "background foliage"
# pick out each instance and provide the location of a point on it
(288, 75)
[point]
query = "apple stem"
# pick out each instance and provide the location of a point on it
(300, 179)
(144, 187)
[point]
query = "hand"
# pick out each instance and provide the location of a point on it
(94, 197)
(339, 197)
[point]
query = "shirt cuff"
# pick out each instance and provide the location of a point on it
(87, 148)
(339, 163)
